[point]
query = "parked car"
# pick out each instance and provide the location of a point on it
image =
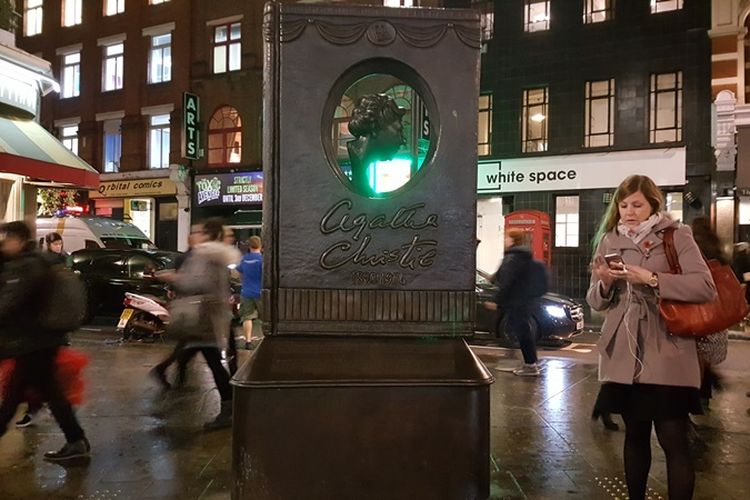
(555, 318)
(109, 273)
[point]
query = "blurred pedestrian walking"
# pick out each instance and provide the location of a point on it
(251, 269)
(199, 314)
(521, 281)
(33, 347)
(649, 377)
(712, 349)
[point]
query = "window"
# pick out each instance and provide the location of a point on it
(666, 107)
(114, 7)
(534, 120)
(71, 75)
(158, 141)
(112, 139)
(113, 66)
(32, 17)
(600, 114)
(536, 15)
(71, 12)
(566, 221)
(597, 11)
(160, 59)
(398, 3)
(69, 137)
(484, 132)
(486, 10)
(674, 205)
(225, 137)
(227, 47)
(156, 2)
(665, 5)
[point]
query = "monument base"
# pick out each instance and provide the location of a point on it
(364, 418)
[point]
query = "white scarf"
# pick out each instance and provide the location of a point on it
(644, 228)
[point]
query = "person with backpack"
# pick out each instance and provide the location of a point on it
(521, 281)
(29, 341)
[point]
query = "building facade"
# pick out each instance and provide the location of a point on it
(575, 96)
(730, 84)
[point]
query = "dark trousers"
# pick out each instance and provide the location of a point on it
(517, 324)
(36, 371)
(212, 356)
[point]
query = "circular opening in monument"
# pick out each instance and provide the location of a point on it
(380, 128)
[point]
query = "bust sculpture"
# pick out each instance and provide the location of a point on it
(379, 134)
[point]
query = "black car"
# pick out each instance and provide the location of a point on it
(109, 273)
(555, 318)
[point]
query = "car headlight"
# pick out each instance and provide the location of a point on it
(555, 311)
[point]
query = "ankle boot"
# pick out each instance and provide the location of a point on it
(223, 419)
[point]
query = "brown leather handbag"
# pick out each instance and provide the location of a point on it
(686, 319)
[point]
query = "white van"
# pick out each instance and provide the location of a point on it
(92, 232)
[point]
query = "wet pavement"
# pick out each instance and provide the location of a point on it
(150, 444)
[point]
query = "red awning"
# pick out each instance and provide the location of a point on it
(27, 149)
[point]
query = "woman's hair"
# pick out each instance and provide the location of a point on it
(51, 238)
(630, 185)
(517, 235)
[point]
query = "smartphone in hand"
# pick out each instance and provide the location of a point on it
(614, 261)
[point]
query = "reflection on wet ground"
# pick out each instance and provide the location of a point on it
(150, 444)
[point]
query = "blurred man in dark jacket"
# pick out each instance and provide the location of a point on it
(23, 283)
(520, 283)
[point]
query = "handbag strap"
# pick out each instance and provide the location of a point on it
(669, 249)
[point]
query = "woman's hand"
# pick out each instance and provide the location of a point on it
(602, 271)
(635, 275)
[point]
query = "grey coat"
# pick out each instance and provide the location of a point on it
(633, 324)
(204, 278)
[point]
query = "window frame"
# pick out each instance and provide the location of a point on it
(530, 26)
(654, 100)
(565, 223)
(76, 75)
(487, 145)
(111, 124)
(119, 7)
(162, 127)
(224, 132)
(76, 14)
(69, 140)
(228, 44)
(526, 117)
(589, 99)
(590, 12)
(37, 17)
(153, 49)
(659, 6)
(486, 9)
(119, 62)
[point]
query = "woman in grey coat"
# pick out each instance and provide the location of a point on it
(649, 377)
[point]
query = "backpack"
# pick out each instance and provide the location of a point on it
(64, 306)
(538, 282)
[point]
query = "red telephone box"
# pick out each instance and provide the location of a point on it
(536, 225)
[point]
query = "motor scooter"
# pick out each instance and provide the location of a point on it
(145, 318)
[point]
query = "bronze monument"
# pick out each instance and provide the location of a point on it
(364, 386)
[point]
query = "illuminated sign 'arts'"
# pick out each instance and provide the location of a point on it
(413, 254)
